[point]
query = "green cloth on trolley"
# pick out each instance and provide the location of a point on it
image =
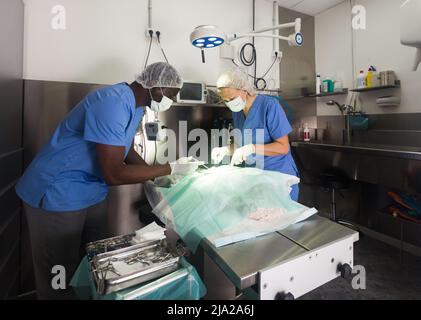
(218, 204)
(186, 286)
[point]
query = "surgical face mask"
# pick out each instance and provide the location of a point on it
(236, 105)
(162, 106)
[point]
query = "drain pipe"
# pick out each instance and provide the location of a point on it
(276, 51)
(275, 22)
(150, 14)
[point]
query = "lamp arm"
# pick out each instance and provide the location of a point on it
(257, 33)
(296, 24)
(278, 27)
(249, 35)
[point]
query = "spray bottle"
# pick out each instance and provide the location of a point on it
(306, 133)
(318, 84)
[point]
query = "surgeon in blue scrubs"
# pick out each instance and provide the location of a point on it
(263, 126)
(64, 189)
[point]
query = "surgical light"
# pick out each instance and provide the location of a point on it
(209, 36)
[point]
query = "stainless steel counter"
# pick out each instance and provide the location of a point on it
(243, 262)
(391, 166)
(401, 152)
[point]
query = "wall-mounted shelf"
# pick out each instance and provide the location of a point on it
(396, 86)
(327, 94)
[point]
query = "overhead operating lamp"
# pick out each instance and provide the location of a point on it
(209, 36)
(206, 37)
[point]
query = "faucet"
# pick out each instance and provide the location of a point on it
(346, 111)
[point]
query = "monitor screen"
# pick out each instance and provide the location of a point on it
(191, 91)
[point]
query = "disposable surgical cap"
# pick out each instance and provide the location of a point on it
(160, 74)
(235, 79)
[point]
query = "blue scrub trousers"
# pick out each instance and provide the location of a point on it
(59, 238)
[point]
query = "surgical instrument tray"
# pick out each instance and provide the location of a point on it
(118, 263)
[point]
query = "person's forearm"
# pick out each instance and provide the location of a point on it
(134, 158)
(132, 174)
(272, 149)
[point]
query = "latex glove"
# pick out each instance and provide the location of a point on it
(184, 166)
(241, 154)
(218, 154)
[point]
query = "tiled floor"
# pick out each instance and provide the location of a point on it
(386, 276)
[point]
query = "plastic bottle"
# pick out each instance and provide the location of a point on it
(318, 84)
(338, 85)
(361, 80)
(306, 133)
(369, 77)
(331, 86)
(325, 86)
(328, 86)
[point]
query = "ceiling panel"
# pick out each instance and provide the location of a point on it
(311, 7)
(288, 3)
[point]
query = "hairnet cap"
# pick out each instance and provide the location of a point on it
(160, 74)
(235, 79)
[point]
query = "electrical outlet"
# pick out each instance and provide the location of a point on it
(277, 53)
(147, 33)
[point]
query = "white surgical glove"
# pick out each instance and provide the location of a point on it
(184, 166)
(241, 154)
(218, 154)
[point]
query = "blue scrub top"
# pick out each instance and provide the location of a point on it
(65, 175)
(265, 123)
